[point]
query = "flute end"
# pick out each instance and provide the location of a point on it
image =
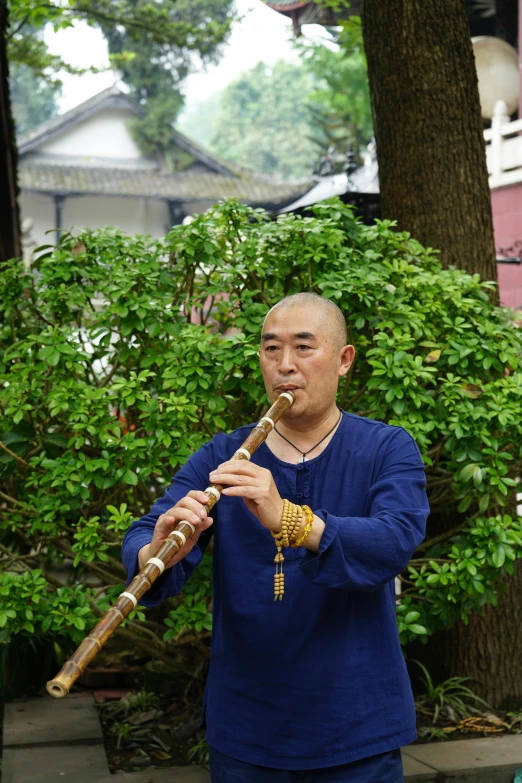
(56, 689)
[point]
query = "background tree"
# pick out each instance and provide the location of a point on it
(263, 121)
(428, 127)
(10, 238)
(33, 98)
(340, 101)
(155, 69)
(198, 119)
(279, 119)
(434, 181)
(168, 28)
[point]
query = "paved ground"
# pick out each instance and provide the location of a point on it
(53, 740)
(483, 760)
(60, 740)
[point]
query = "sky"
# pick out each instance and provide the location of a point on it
(262, 34)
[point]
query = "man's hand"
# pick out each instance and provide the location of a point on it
(257, 488)
(190, 508)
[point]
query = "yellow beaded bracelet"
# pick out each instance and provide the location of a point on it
(309, 521)
(290, 524)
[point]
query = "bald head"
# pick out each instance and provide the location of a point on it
(331, 318)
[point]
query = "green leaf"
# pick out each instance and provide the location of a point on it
(130, 477)
(484, 502)
(420, 630)
(499, 556)
(467, 472)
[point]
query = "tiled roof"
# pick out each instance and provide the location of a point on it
(186, 186)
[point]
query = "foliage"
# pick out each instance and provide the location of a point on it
(121, 355)
(154, 44)
(340, 103)
(199, 753)
(431, 733)
(194, 612)
(150, 725)
(279, 119)
(156, 69)
(263, 121)
(33, 100)
(133, 702)
(197, 119)
(451, 698)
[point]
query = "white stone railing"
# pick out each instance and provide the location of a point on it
(503, 148)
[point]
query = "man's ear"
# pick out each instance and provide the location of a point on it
(346, 359)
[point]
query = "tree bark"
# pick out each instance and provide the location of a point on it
(428, 128)
(10, 238)
(487, 650)
(434, 182)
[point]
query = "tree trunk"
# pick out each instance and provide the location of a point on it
(492, 646)
(10, 241)
(434, 182)
(428, 128)
(487, 650)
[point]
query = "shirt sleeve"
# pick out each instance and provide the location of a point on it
(363, 553)
(193, 475)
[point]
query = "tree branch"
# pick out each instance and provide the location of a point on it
(17, 458)
(443, 536)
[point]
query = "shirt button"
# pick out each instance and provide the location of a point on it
(299, 495)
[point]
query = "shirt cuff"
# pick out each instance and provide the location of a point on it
(312, 560)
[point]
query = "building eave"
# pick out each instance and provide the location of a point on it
(110, 98)
(184, 187)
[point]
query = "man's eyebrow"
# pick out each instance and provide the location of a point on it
(299, 336)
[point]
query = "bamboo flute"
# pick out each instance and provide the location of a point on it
(155, 566)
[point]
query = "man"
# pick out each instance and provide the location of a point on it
(313, 687)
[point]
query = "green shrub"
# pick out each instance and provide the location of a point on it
(108, 385)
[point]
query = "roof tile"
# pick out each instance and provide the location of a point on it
(184, 186)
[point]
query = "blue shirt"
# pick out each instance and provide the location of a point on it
(317, 679)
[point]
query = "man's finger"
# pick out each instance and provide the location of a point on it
(173, 518)
(243, 492)
(196, 494)
(192, 505)
(238, 466)
(233, 479)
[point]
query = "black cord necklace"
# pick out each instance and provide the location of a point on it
(304, 453)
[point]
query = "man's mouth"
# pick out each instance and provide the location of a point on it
(286, 387)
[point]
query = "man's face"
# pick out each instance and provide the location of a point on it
(298, 354)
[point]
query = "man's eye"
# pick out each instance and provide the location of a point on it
(271, 348)
(304, 347)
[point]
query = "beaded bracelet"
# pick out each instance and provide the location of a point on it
(290, 523)
(309, 521)
(289, 535)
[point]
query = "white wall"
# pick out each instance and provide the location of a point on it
(156, 218)
(132, 215)
(41, 211)
(102, 136)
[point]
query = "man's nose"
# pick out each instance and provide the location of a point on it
(287, 364)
